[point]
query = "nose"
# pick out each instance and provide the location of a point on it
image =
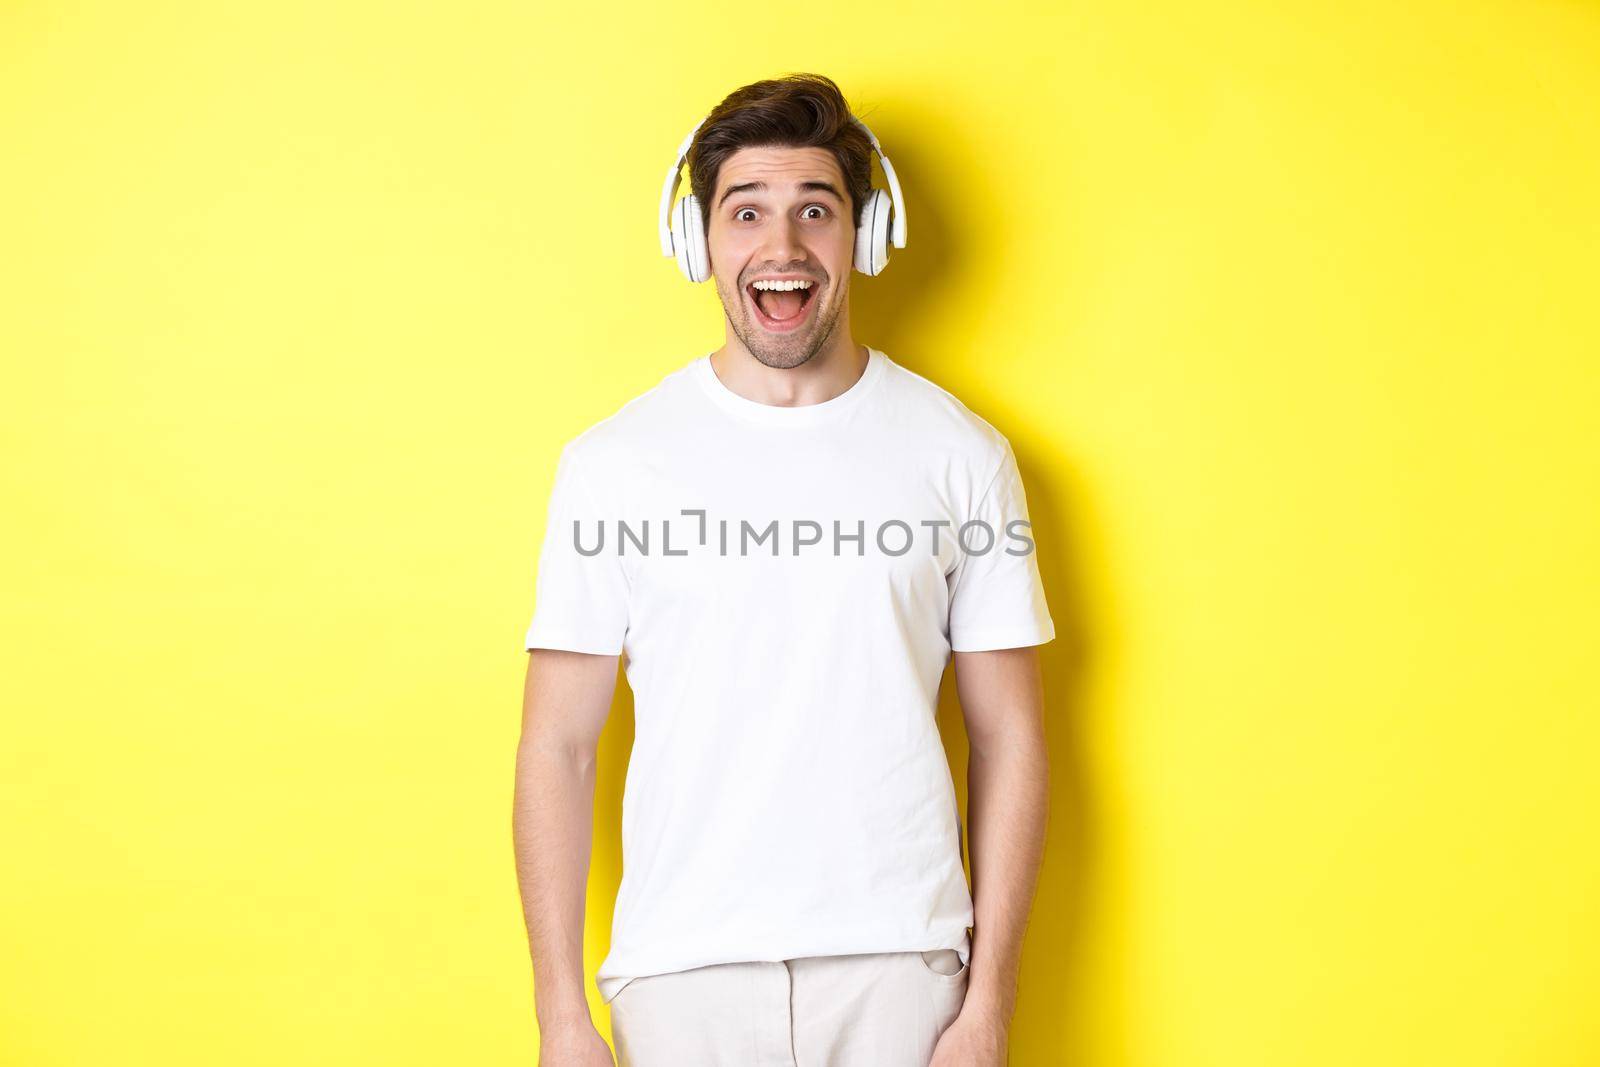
(781, 242)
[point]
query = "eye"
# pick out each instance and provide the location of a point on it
(816, 207)
(741, 211)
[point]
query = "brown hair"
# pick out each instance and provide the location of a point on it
(795, 111)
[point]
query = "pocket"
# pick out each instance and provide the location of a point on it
(944, 963)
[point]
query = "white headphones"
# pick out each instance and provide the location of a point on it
(684, 235)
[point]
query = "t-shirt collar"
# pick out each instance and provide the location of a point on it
(799, 415)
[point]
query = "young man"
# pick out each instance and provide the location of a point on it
(795, 535)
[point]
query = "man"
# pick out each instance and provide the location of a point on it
(786, 538)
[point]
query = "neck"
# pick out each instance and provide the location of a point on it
(834, 369)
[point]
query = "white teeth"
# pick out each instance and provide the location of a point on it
(780, 287)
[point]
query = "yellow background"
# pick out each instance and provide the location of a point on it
(1288, 309)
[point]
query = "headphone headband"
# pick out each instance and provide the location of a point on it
(670, 187)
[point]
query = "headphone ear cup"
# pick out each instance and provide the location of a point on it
(872, 233)
(689, 239)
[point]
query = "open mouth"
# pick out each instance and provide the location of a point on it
(782, 310)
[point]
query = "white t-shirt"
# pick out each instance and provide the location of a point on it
(787, 794)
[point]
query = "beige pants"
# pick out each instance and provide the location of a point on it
(880, 1009)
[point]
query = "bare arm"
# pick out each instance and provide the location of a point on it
(1008, 798)
(566, 698)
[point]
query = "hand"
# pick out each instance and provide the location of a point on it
(576, 1044)
(971, 1041)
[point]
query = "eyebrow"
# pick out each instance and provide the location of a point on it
(809, 187)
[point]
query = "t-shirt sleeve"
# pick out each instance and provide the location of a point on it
(580, 594)
(996, 596)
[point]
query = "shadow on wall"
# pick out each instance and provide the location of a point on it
(1045, 1028)
(939, 259)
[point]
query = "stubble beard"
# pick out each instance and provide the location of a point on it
(779, 352)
